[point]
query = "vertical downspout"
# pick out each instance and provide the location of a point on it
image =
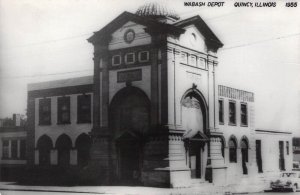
(175, 123)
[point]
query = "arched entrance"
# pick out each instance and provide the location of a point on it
(83, 145)
(194, 120)
(129, 120)
(63, 146)
(244, 152)
(44, 145)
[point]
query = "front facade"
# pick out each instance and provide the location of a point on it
(152, 114)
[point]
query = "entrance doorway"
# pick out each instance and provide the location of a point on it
(129, 159)
(130, 122)
(195, 160)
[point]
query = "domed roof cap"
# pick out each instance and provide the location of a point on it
(155, 10)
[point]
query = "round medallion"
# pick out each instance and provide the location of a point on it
(129, 36)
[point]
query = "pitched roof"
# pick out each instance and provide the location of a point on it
(210, 38)
(153, 24)
(61, 83)
(176, 28)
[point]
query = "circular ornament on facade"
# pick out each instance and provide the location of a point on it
(129, 36)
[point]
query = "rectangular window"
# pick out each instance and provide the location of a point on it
(84, 109)
(23, 149)
(116, 60)
(45, 111)
(201, 63)
(193, 61)
(129, 58)
(258, 155)
(281, 156)
(184, 57)
(144, 56)
(232, 113)
(14, 149)
(63, 110)
(5, 149)
(287, 148)
(244, 114)
(221, 111)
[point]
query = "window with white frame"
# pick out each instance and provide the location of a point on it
(232, 113)
(143, 56)
(244, 115)
(221, 111)
(184, 57)
(193, 60)
(129, 58)
(116, 60)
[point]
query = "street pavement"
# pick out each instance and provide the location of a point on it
(10, 188)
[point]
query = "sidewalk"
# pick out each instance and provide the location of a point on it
(128, 190)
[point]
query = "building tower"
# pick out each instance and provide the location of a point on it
(154, 105)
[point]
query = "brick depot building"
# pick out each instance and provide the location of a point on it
(151, 114)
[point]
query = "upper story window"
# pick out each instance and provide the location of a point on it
(184, 57)
(63, 110)
(129, 58)
(244, 114)
(5, 149)
(201, 63)
(143, 56)
(221, 111)
(193, 60)
(116, 60)
(232, 113)
(45, 111)
(84, 109)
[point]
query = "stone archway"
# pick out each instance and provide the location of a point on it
(63, 145)
(44, 145)
(194, 122)
(83, 145)
(129, 121)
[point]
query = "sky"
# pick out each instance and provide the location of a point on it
(46, 40)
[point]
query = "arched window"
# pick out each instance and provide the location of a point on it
(232, 150)
(83, 145)
(244, 149)
(63, 145)
(44, 146)
(244, 152)
(223, 147)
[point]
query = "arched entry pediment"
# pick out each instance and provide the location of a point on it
(127, 136)
(195, 136)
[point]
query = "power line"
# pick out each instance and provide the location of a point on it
(49, 41)
(228, 48)
(50, 74)
(262, 41)
(81, 35)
